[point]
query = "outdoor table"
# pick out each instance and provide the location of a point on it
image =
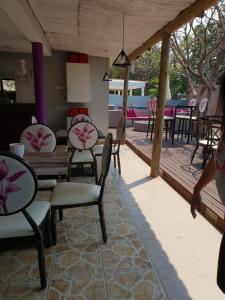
(49, 163)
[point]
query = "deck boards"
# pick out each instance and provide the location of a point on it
(177, 169)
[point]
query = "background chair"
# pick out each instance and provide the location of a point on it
(183, 122)
(40, 138)
(21, 218)
(79, 118)
(73, 194)
(208, 131)
(82, 137)
(98, 150)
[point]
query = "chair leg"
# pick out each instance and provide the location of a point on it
(152, 129)
(41, 263)
(53, 226)
(95, 169)
(102, 222)
(60, 215)
(48, 235)
(193, 155)
(114, 158)
(118, 161)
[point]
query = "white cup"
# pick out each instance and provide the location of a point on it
(17, 148)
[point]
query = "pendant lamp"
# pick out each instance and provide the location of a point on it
(106, 76)
(122, 59)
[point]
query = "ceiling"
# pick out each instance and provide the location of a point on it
(96, 25)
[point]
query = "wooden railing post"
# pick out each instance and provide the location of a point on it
(162, 89)
(125, 96)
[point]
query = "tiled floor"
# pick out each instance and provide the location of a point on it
(145, 218)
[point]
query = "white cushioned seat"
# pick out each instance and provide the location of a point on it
(46, 183)
(16, 225)
(98, 149)
(68, 193)
(82, 156)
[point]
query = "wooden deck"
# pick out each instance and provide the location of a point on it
(177, 170)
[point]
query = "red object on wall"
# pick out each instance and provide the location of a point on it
(75, 111)
(77, 58)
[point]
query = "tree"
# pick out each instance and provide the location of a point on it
(199, 48)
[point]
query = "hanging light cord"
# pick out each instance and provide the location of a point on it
(78, 27)
(123, 31)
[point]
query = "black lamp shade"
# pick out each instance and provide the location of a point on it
(121, 60)
(106, 77)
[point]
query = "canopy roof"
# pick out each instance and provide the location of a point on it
(95, 25)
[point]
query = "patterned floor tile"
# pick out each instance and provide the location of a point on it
(138, 285)
(79, 288)
(22, 266)
(22, 292)
(82, 259)
(124, 253)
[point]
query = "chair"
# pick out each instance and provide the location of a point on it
(208, 131)
(73, 194)
(98, 150)
(21, 218)
(79, 118)
(40, 138)
(82, 137)
(183, 122)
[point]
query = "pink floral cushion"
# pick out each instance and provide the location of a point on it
(83, 135)
(38, 138)
(18, 184)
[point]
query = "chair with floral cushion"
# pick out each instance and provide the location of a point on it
(83, 136)
(79, 118)
(22, 218)
(40, 138)
(74, 194)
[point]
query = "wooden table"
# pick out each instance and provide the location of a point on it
(49, 163)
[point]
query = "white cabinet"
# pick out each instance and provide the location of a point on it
(78, 82)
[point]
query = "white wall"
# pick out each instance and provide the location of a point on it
(99, 90)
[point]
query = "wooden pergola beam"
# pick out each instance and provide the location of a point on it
(184, 17)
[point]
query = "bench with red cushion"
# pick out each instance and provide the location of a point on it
(133, 115)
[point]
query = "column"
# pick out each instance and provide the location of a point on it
(158, 130)
(38, 67)
(142, 91)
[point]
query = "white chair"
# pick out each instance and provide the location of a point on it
(40, 138)
(73, 194)
(82, 137)
(21, 216)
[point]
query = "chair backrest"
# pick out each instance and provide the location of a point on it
(79, 118)
(83, 135)
(192, 102)
(34, 120)
(106, 155)
(203, 104)
(152, 106)
(18, 184)
(38, 138)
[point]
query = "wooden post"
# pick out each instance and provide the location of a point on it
(158, 130)
(125, 96)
